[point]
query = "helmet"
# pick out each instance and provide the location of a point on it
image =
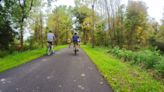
(50, 31)
(75, 33)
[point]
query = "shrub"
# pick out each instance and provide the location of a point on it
(147, 57)
(152, 59)
(3, 53)
(115, 51)
(139, 57)
(128, 55)
(160, 66)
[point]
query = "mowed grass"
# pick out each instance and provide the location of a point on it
(17, 59)
(122, 76)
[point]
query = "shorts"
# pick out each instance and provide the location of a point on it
(75, 43)
(49, 42)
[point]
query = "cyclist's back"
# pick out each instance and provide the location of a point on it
(50, 37)
(75, 38)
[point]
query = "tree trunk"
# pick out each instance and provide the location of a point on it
(85, 37)
(93, 42)
(107, 10)
(130, 38)
(21, 38)
(66, 36)
(41, 30)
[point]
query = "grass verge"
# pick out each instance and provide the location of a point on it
(123, 77)
(17, 59)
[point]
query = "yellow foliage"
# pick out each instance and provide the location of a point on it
(87, 24)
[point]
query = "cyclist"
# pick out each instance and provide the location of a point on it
(69, 42)
(78, 41)
(75, 40)
(50, 39)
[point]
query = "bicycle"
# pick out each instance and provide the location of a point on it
(49, 50)
(75, 48)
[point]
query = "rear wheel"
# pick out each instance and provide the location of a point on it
(75, 51)
(49, 51)
(75, 48)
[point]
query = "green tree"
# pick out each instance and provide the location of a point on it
(83, 21)
(60, 22)
(21, 11)
(7, 34)
(160, 36)
(136, 21)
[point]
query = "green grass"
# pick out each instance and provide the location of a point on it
(122, 76)
(17, 59)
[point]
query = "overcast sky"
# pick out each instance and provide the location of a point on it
(155, 7)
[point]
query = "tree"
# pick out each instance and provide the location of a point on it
(84, 21)
(60, 23)
(136, 19)
(21, 12)
(160, 36)
(7, 34)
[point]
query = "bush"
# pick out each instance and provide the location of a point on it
(147, 57)
(160, 66)
(3, 53)
(139, 57)
(152, 59)
(128, 55)
(115, 51)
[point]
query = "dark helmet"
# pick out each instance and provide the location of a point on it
(75, 33)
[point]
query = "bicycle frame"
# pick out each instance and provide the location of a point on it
(75, 48)
(49, 50)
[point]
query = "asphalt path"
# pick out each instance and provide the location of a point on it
(61, 72)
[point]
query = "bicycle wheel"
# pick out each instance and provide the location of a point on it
(49, 51)
(75, 51)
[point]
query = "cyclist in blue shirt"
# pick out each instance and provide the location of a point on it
(75, 39)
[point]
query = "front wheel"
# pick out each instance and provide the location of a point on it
(75, 51)
(49, 51)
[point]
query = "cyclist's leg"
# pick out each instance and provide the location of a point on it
(52, 48)
(76, 45)
(79, 44)
(48, 44)
(48, 47)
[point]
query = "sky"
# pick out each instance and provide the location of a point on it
(155, 7)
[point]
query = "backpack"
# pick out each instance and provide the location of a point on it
(75, 38)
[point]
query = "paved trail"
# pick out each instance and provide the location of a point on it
(62, 72)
